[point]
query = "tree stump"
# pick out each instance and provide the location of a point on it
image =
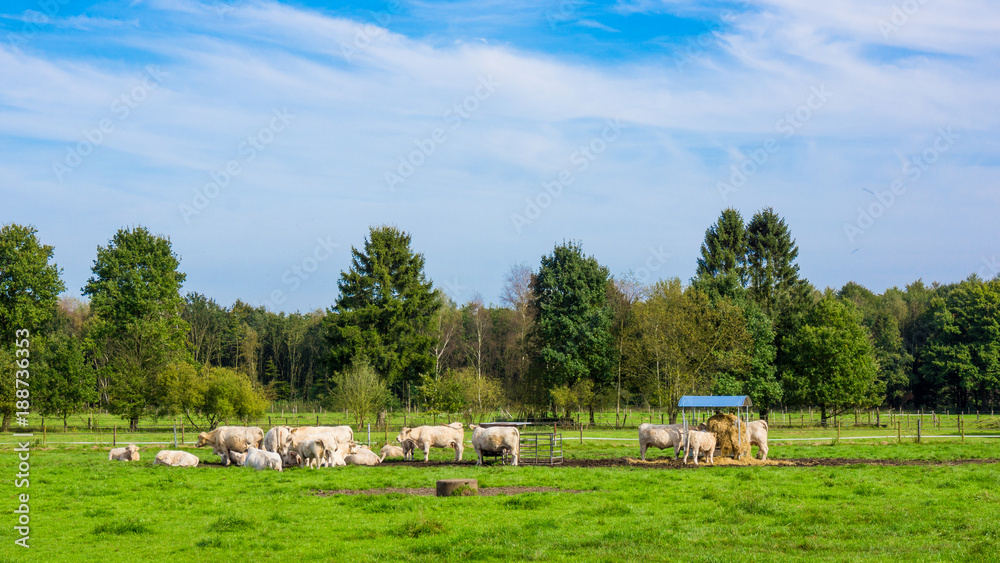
(457, 488)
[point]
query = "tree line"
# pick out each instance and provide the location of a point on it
(566, 336)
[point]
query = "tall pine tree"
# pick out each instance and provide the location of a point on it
(385, 312)
(724, 252)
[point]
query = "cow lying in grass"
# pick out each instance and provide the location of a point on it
(361, 455)
(258, 459)
(389, 450)
(175, 458)
(130, 453)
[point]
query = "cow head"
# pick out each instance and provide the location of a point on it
(404, 435)
(202, 439)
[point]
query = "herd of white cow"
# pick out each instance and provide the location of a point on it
(330, 446)
(334, 446)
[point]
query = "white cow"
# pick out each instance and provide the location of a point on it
(312, 451)
(175, 458)
(700, 442)
(757, 431)
(130, 453)
(278, 440)
(290, 458)
(661, 436)
(361, 455)
(339, 437)
(498, 440)
(227, 439)
(258, 459)
(389, 450)
(442, 436)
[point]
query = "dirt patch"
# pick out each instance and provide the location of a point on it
(667, 463)
(430, 491)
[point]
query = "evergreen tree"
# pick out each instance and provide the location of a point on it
(771, 253)
(724, 252)
(385, 312)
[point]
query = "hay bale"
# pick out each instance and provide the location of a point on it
(723, 425)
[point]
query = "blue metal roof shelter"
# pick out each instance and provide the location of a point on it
(741, 403)
(711, 401)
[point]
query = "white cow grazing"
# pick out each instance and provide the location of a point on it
(278, 440)
(258, 459)
(361, 455)
(226, 439)
(130, 453)
(443, 436)
(496, 440)
(389, 450)
(757, 431)
(661, 436)
(175, 458)
(313, 451)
(700, 442)
(337, 436)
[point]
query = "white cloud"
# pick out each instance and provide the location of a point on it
(227, 72)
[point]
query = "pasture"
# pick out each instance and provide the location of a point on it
(930, 501)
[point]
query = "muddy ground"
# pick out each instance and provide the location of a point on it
(668, 463)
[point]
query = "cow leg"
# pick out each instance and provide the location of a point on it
(642, 450)
(427, 452)
(459, 450)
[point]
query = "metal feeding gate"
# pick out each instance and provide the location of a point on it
(741, 403)
(541, 449)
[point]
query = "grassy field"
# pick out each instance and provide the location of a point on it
(84, 508)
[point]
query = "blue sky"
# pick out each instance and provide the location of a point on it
(265, 138)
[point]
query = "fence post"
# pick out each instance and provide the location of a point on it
(114, 435)
(317, 420)
(175, 434)
(919, 425)
(182, 432)
(369, 431)
(581, 433)
(43, 431)
(961, 426)
(899, 432)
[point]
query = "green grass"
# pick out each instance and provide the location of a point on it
(84, 508)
